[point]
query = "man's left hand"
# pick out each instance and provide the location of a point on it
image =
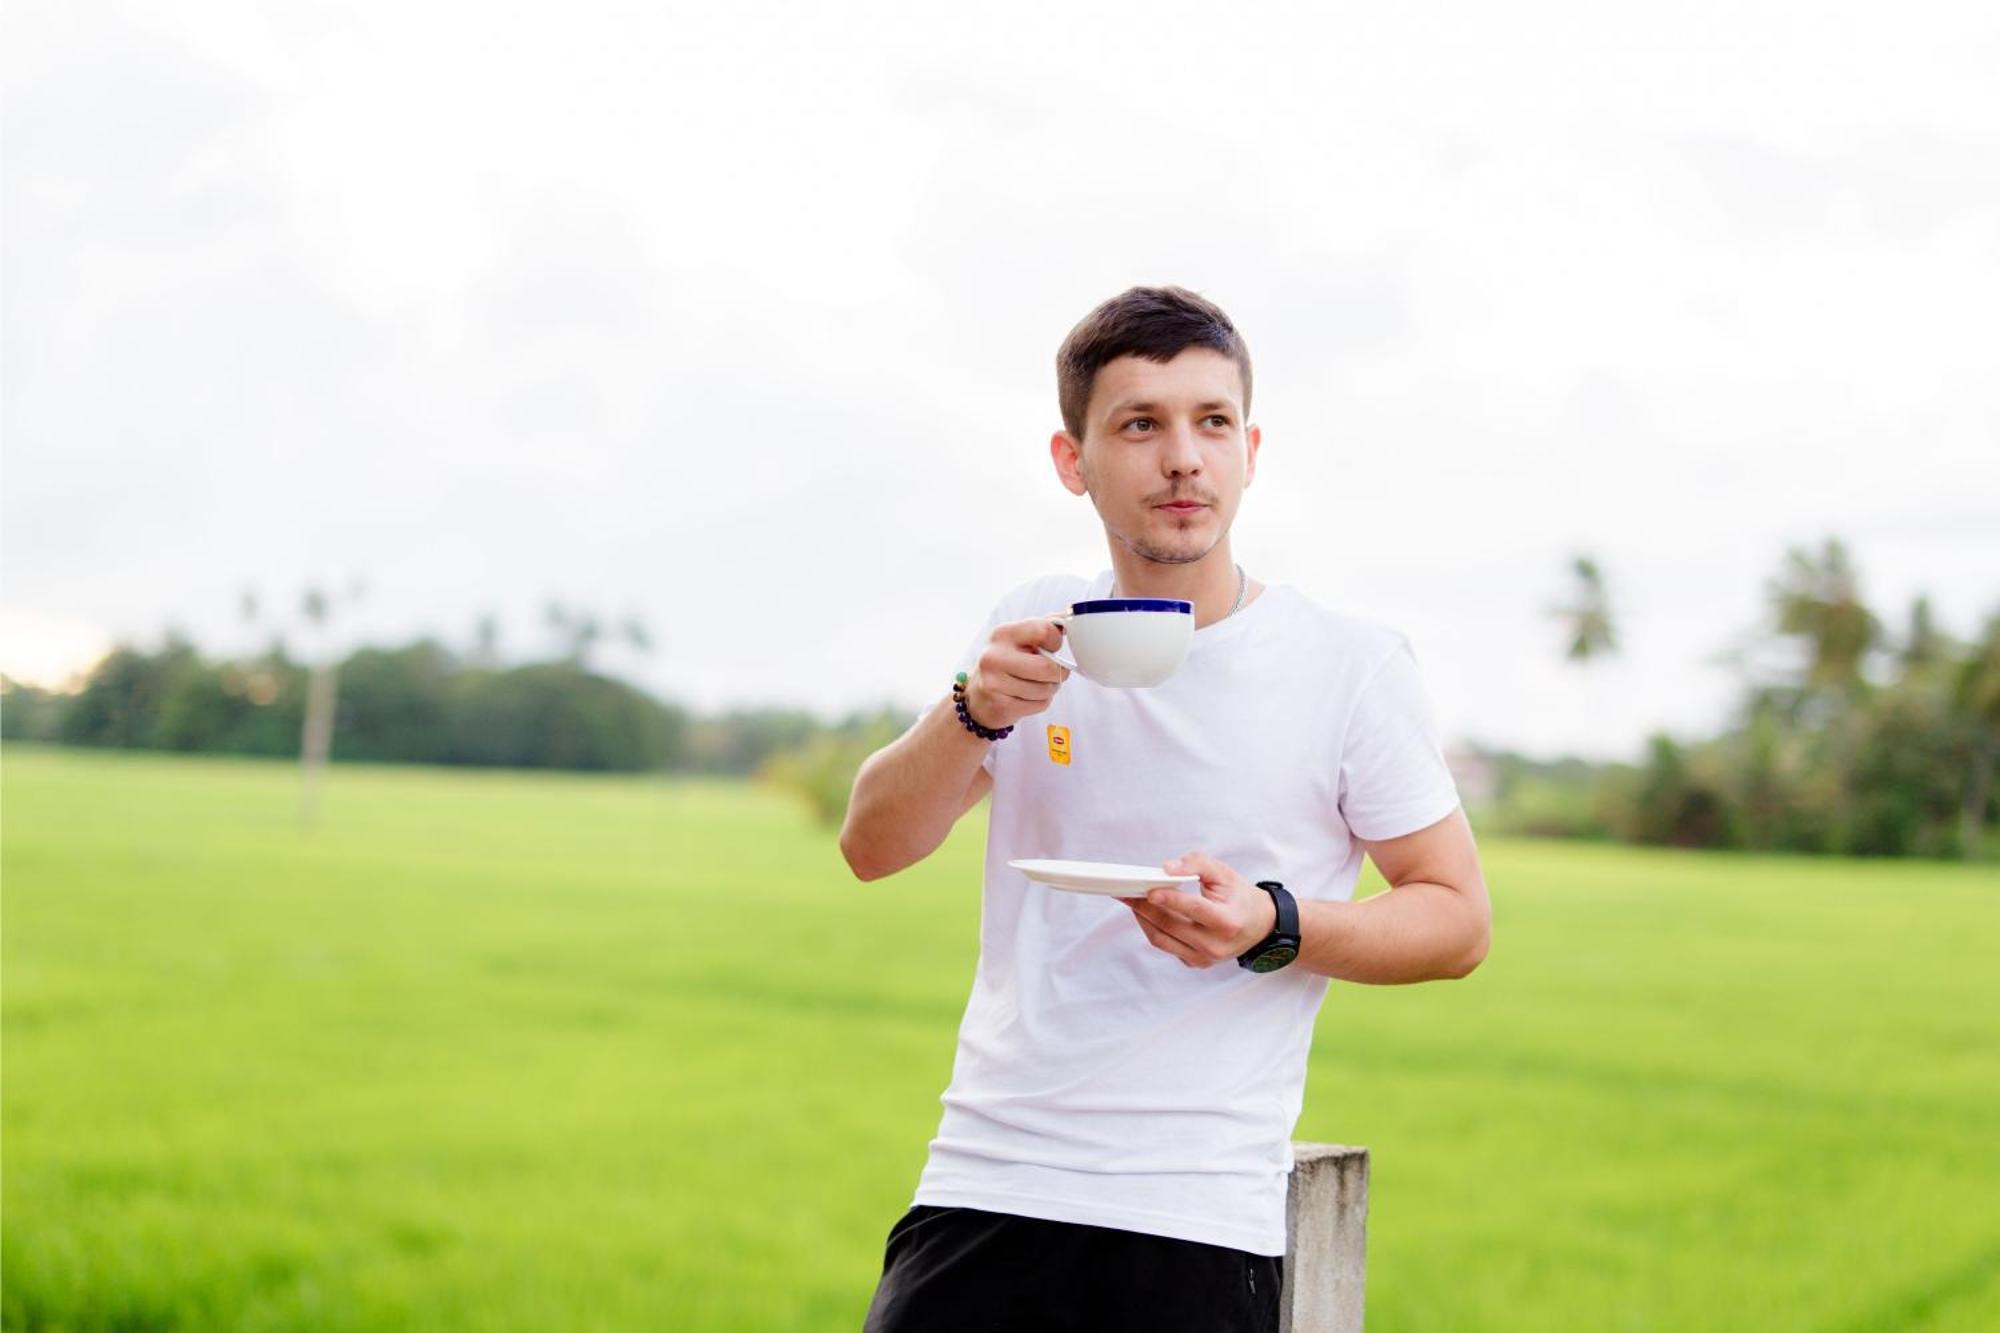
(1228, 916)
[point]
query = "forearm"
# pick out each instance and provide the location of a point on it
(1416, 931)
(909, 793)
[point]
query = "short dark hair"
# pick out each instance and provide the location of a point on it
(1157, 323)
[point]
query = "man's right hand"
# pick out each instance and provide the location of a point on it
(1011, 680)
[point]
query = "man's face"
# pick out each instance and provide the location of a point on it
(1165, 454)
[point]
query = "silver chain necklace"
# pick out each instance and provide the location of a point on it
(1242, 586)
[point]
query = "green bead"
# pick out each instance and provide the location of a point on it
(960, 678)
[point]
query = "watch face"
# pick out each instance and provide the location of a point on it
(1273, 958)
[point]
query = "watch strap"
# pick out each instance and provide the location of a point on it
(1281, 945)
(1288, 910)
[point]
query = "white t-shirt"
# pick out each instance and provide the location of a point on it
(1098, 1079)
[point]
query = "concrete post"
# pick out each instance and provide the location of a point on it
(1326, 1223)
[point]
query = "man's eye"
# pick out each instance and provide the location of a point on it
(1219, 421)
(1137, 423)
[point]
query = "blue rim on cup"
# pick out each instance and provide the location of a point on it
(1131, 604)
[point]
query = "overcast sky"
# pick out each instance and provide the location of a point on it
(742, 318)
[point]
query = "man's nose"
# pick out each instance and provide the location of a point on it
(1179, 457)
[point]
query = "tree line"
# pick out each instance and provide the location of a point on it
(418, 703)
(1849, 737)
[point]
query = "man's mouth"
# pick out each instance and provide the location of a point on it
(1182, 508)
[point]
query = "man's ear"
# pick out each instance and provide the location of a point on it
(1251, 439)
(1067, 453)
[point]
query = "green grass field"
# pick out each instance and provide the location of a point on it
(495, 1051)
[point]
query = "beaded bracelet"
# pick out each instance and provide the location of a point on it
(965, 718)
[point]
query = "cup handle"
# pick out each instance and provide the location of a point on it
(1062, 623)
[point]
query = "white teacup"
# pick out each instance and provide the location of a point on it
(1127, 641)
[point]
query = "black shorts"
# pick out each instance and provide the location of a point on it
(957, 1270)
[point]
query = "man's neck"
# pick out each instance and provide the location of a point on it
(1210, 582)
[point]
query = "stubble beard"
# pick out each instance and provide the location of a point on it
(1145, 547)
(1163, 555)
(1149, 549)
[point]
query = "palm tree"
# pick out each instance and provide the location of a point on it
(1587, 623)
(316, 742)
(486, 640)
(577, 631)
(1925, 646)
(1819, 601)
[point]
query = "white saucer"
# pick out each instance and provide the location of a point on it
(1108, 878)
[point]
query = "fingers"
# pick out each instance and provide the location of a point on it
(1019, 687)
(1011, 680)
(1165, 940)
(1198, 863)
(1027, 667)
(1203, 944)
(1193, 907)
(1012, 653)
(1041, 632)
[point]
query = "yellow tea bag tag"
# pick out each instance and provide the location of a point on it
(1059, 745)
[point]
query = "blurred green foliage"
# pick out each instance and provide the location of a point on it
(415, 704)
(1865, 742)
(422, 703)
(821, 770)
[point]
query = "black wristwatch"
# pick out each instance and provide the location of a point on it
(1281, 946)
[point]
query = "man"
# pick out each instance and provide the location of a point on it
(1116, 1139)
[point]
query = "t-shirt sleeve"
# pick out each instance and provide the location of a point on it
(1393, 775)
